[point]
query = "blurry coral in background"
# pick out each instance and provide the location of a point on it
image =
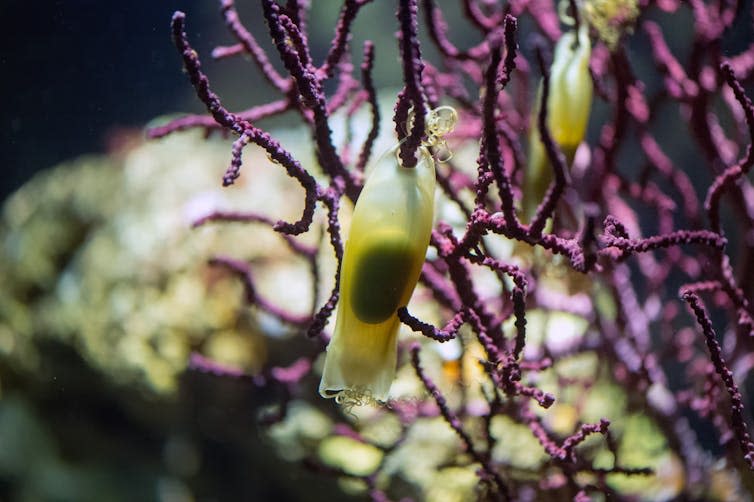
(98, 257)
(596, 348)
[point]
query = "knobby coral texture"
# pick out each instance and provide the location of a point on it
(632, 266)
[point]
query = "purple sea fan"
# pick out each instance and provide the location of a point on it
(630, 402)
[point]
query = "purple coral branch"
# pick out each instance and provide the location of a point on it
(412, 95)
(678, 85)
(243, 270)
(199, 80)
(616, 236)
(227, 51)
(737, 407)
(702, 287)
(546, 16)
(253, 114)
(234, 169)
(490, 154)
(346, 87)
(342, 35)
(441, 290)
(680, 180)
(293, 373)
(518, 296)
(331, 199)
(566, 451)
(628, 333)
(310, 89)
(198, 362)
(250, 46)
(448, 248)
(368, 83)
(456, 425)
(733, 173)
(503, 368)
(447, 333)
(539, 432)
(298, 11)
(233, 216)
(743, 64)
(297, 40)
(244, 129)
(438, 29)
(555, 156)
(438, 32)
(543, 399)
(478, 18)
(585, 430)
(481, 221)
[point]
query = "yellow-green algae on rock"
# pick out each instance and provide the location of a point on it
(99, 253)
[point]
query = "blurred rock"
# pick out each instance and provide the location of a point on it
(99, 254)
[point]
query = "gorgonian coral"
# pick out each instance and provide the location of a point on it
(564, 312)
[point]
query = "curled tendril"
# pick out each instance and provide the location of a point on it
(440, 122)
(566, 18)
(445, 155)
(348, 399)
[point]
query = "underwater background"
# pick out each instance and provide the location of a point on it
(78, 420)
(106, 290)
(83, 78)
